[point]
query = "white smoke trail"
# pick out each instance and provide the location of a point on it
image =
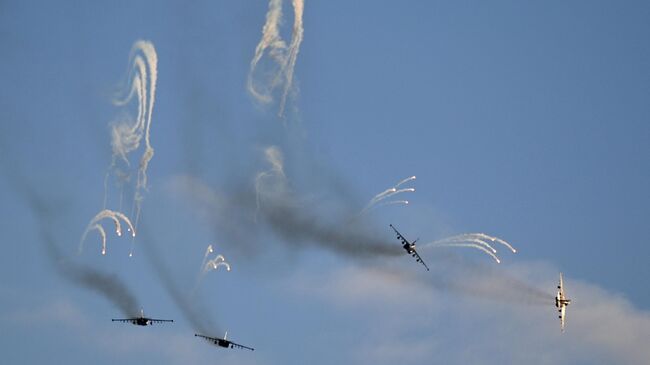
(126, 134)
(467, 239)
(208, 251)
(283, 56)
(482, 237)
(94, 225)
(388, 193)
(274, 157)
(471, 245)
(495, 239)
(393, 202)
(215, 263)
(405, 181)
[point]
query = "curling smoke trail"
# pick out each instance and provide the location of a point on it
(126, 135)
(284, 57)
(94, 225)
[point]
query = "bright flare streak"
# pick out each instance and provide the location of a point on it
(496, 239)
(393, 202)
(388, 193)
(405, 181)
(467, 239)
(471, 245)
(215, 263)
(94, 225)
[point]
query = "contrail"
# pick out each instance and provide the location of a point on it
(284, 57)
(126, 134)
(94, 225)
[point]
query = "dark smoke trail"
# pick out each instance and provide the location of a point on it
(107, 285)
(200, 320)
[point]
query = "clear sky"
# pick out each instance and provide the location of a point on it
(526, 121)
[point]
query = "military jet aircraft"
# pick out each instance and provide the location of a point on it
(142, 320)
(223, 342)
(409, 247)
(561, 302)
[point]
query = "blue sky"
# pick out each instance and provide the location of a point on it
(524, 121)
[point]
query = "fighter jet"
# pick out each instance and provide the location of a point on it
(409, 247)
(223, 342)
(561, 303)
(142, 320)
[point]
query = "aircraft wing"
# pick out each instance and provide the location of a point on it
(154, 320)
(206, 337)
(241, 346)
(399, 235)
(419, 259)
(561, 287)
(124, 320)
(562, 317)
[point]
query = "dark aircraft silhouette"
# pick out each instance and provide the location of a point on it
(561, 302)
(222, 342)
(142, 320)
(409, 247)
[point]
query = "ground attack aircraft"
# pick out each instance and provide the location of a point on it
(222, 342)
(561, 303)
(142, 320)
(409, 247)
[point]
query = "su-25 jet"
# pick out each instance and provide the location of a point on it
(223, 342)
(409, 247)
(561, 302)
(142, 320)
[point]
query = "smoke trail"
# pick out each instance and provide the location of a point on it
(199, 318)
(493, 239)
(208, 251)
(405, 181)
(472, 245)
(292, 219)
(94, 225)
(387, 194)
(284, 57)
(215, 263)
(107, 285)
(126, 134)
(471, 240)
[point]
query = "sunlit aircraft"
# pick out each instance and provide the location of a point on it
(561, 302)
(222, 342)
(409, 247)
(142, 320)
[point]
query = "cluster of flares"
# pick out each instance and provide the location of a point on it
(479, 241)
(379, 199)
(95, 225)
